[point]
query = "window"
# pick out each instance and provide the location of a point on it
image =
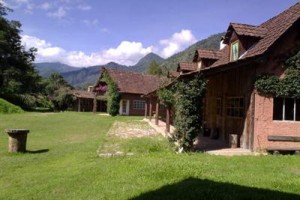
(219, 106)
(235, 107)
(138, 104)
(234, 52)
(286, 109)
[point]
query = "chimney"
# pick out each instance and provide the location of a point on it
(90, 88)
(222, 45)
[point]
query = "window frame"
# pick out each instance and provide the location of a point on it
(233, 56)
(232, 108)
(283, 110)
(138, 104)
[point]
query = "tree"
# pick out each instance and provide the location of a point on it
(17, 74)
(59, 91)
(154, 69)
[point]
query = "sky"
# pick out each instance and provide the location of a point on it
(85, 33)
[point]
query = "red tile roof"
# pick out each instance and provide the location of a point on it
(208, 54)
(245, 30)
(274, 29)
(187, 66)
(133, 82)
(83, 94)
(173, 74)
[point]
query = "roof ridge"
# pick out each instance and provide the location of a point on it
(278, 15)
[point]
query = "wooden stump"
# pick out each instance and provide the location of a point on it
(17, 139)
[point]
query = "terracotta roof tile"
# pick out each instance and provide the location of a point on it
(275, 28)
(133, 82)
(248, 30)
(187, 66)
(83, 94)
(173, 74)
(209, 54)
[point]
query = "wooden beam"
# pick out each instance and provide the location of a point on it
(283, 138)
(146, 108)
(79, 104)
(150, 110)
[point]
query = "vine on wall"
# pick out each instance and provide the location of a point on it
(186, 97)
(289, 86)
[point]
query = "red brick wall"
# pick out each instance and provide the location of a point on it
(131, 98)
(265, 125)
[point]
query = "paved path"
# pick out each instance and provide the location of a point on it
(204, 144)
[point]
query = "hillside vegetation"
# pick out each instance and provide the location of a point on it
(7, 108)
(212, 42)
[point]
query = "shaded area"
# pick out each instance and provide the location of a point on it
(192, 188)
(37, 151)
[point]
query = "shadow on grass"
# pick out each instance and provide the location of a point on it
(193, 188)
(37, 151)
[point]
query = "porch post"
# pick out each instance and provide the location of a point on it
(146, 108)
(168, 119)
(79, 104)
(95, 104)
(157, 112)
(150, 113)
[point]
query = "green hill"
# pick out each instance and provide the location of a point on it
(6, 107)
(212, 42)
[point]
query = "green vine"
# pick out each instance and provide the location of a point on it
(113, 96)
(166, 97)
(289, 86)
(188, 109)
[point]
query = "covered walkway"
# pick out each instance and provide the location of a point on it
(202, 144)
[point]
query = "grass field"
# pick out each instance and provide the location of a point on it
(63, 163)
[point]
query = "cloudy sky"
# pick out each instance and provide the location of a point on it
(92, 32)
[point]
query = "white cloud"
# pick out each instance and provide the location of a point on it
(59, 13)
(84, 7)
(178, 42)
(90, 23)
(46, 6)
(127, 53)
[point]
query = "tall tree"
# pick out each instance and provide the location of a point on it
(154, 69)
(17, 74)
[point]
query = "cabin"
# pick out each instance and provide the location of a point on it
(234, 111)
(131, 86)
(86, 101)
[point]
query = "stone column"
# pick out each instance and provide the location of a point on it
(17, 139)
(146, 108)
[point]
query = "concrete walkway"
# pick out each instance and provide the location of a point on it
(203, 144)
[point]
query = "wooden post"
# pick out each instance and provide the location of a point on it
(95, 104)
(146, 108)
(79, 104)
(150, 110)
(156, 112)
(168, 119)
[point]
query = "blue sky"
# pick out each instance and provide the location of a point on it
(92, 32)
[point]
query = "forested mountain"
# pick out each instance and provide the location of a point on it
(81, 77)
(144, 63)
(47, 68)
(212, 42)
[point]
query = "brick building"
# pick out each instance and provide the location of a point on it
(232, 105)
(131, 86)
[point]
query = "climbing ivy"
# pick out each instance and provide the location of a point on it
(188, 110)
(289, 86)
(166, 96)
(113, 96)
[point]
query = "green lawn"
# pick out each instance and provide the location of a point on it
(63, 163)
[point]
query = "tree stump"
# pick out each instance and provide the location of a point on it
(17, 139)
